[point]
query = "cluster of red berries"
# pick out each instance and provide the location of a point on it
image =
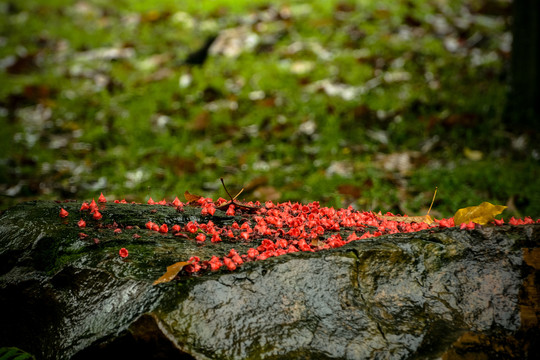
(279, 228)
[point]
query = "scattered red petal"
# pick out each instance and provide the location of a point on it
(117, 231)
(84, 206)
(81, 223)
(150, 201)
(63, 213)
(136, 236)
(102, 199)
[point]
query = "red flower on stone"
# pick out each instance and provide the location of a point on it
(63, 213)
(123, 252)
(151, 201)
(102, 199)
(81, 223)
(84, 206)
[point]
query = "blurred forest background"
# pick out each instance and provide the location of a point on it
(369, 103)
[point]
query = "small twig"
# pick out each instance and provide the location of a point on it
(227, 191)
(432, 200)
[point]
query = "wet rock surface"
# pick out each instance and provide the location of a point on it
(449, 293)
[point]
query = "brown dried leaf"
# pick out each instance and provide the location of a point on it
(191, 197)
(171, 272)
(408, 219)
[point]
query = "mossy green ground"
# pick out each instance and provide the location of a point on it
(364, 103)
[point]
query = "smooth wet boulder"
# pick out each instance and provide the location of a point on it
(449, 293)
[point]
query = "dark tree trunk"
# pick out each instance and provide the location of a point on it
(523, 109)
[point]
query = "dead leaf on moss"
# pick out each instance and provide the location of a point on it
(408, 219)
(191, 197)
(171, 272)
(481, 214)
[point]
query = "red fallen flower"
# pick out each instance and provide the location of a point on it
(96, 241)
(84, 206)
(123, 252)
(149, 225)
(93, 204)
(352, 237)
(177, 202)
(292, 249)
(97, 215)
(163, 229)
(176, 228)
(162, 202)
(136, 236)
(237, 259)
(265, 255)
(155, 227)
(469, 226)
(216, 238)
(282, 243)
(200, 237)
(102, 199)
(191, 227)
(229, 264)
(150, 201)
(63, 213)
(81, 223)
(117, 231)
(215, 263)
(245, 235)
(498, 222)
(230, 211)
(82, 236)
(194, 266)
(252, 253)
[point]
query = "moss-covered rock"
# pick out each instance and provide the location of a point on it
(429, 294)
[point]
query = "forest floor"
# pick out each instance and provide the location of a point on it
(372, 104)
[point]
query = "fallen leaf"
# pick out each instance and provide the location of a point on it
(171, 272)
(481, 214)
(408, 219)
(191, 197)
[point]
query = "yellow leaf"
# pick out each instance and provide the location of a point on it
(172, 271)
(481, 214)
